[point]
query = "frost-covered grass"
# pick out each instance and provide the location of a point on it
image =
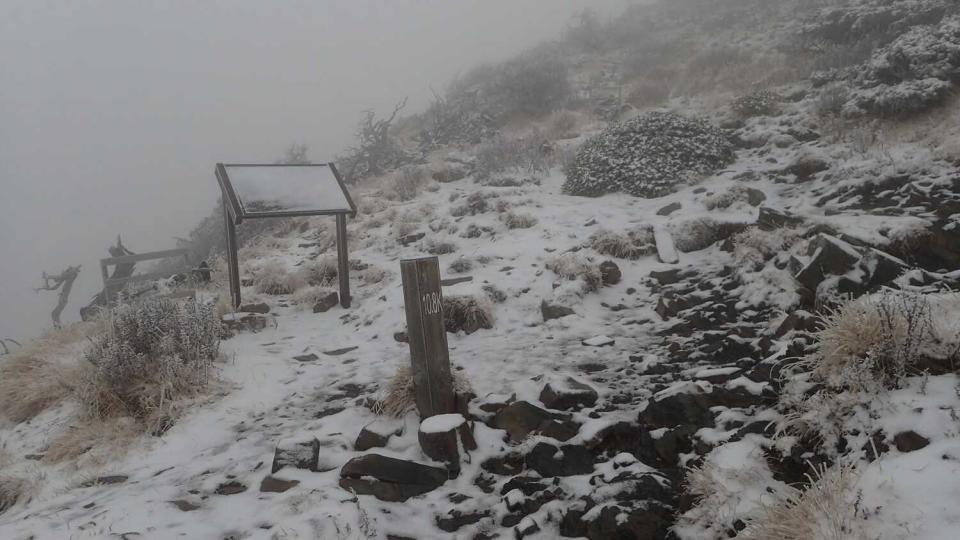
(467, 312)
(573, 267)
(825, 510)
(321, 272)
(273, 278)
(699, 233)
(150, 357)
(13, 489)
(398, 397)
(308, 297)
(632, 244)
(514, 220)
(874, 339)
(757, 103)
(754, 246)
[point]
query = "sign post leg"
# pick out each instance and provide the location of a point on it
(343, 258)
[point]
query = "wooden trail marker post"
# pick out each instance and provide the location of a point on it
(427, 334)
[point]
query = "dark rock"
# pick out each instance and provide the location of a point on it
(411, 238)
(572, 394)
(669, 209)
(640, 524)
(755, 197)
(261, 308)
(610, 273)
(243, 322)
(568, 460)
(830, 256)
(339, 352)
(674, 442)
(508, 465)
(806, 166)
(527, 526)
(184, 506)
(401, 337)
(454, 520)
(375, 435)
(770, 219)
(272, 484)
(306, 357)
(390, 479)
(328, 301)
(876, 446)
(909, 441)
(551, 311)
(230, 488)
(666, 277)
(692, 408)
(297, 454)
(522, 418)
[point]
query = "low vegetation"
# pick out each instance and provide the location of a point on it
(632, 244)
(151, 357)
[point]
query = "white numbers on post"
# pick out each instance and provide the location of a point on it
(431, 303)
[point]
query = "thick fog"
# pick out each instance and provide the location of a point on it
(113, 114)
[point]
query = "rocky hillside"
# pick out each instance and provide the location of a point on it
(699, 272)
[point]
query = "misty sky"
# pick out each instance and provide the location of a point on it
(113, 114)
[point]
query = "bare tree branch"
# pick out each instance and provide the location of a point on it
(63, 281)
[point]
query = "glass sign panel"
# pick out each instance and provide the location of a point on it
(287, 188)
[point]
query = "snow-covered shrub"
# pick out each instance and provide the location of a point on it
(647, 156)
(914, 73)
(495, 294)
(523, 155)
(150, 355)
(518, 221)
(321, 272)
(476, 203)
(874, 339)
(533, 84)
(273, 278)
(572, 267)
(562, 125)
(399, 398)
(729, 486)
(754, 246)
(405, 184)
(461, 265)
(832, 100)
(467, 313)
(757, 103)
(825, 510)
(870, 21)
(373, 275)
(700, 233)
(632, 244)
(736, 193)
(436, 247)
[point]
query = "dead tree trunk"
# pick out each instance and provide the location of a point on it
(124, 270)
(63, 281)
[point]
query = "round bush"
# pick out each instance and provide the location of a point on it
(647, 156)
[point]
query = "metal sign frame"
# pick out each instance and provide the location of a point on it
(234, 213)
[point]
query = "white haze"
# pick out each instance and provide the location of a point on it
(113, 114)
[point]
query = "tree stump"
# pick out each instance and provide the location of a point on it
(441, 437)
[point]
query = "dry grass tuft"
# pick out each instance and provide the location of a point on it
(873, 339)
(700, 233)
(322, 272)
(12, 490)
(824, 511)
(518, 221)
(572, 267)
(754, 246)
(30, 384)
(637, 242)
(467, 313)
(308, 297)
(32, 379)
(273, 278)
(98, 441)
(399, 398)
